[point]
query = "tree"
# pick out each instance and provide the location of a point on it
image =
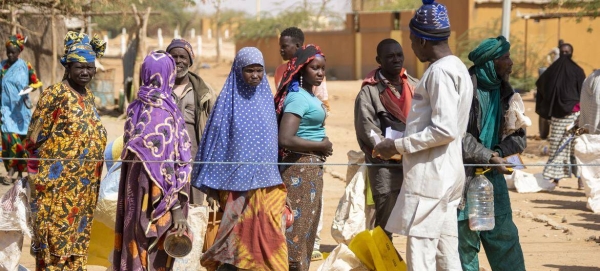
(217, 5)
(173, 13)
(589, 8)
(305, 15)
(377, 5)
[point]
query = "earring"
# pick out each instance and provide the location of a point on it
(300, 80)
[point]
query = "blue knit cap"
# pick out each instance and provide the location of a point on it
(431, 21)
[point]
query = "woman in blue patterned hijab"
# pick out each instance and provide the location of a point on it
(239, 146)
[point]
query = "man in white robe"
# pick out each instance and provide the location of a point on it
(434, 175)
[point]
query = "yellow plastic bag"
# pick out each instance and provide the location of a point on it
(101, 246)
(376, 251)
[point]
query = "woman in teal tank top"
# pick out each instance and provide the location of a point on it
(302, 140)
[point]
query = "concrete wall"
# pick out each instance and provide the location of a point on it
(351, 52)
(338, 47)
(541, 36)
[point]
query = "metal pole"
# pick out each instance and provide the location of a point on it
(506, 6)
(258, 10)
(558, 28)
(525, 63)
(89, 25)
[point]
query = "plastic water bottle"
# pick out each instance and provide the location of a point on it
(480, 199)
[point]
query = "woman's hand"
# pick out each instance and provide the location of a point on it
(179, 222)
(327, 147)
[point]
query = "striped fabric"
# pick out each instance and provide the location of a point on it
(561, 149)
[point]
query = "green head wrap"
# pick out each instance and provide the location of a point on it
(483, 57)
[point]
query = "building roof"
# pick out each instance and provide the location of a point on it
(515, 1)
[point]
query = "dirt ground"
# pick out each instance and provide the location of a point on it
(544, 248)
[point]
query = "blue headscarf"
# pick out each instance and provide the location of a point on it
(241, 128)
(80, 48)
(431, 21)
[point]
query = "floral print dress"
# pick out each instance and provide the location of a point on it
(65, 125)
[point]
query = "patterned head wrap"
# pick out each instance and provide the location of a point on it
(16, 40)
(181, 43)
(291, 76)
(483, 57)
(80, 48)
(155, 131)
(431, 21)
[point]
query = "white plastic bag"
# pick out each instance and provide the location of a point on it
(106, 208)
(529, 183)
(14, 218)
(342, 259)
(197, 220)
(515, 117)
(587, 150)
(350, 217)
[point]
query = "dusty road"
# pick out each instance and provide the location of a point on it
(544, 248)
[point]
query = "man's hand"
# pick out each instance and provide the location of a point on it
(385, 150)
(179, 222)
(497, 160)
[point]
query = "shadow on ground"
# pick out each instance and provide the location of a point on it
(327, 248)
(572, 267)
(109, 112)
(577, 193)
(561, 204)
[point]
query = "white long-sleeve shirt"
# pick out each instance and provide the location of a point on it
(432, 150)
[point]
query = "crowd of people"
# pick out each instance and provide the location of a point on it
(451, 116)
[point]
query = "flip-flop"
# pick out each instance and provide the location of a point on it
(316, 256)
(4, 182)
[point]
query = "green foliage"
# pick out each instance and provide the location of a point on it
(270, 26)
(376, 5)
(520, 78)
(587, 7)
(173, 13)
(303, 15)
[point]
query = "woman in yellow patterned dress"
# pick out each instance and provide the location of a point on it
(66, 127)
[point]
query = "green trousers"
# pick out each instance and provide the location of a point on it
(501, 245)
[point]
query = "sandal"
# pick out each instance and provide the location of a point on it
(316, 256)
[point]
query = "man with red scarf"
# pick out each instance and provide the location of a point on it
(383, 101)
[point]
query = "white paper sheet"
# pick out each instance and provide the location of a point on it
(375, 137)
(25, 91)
(393, 134)
(516, 161)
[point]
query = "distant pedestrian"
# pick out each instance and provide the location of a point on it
(559, 90)
(16, 75)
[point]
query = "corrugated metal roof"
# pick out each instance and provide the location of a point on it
(514, 1)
